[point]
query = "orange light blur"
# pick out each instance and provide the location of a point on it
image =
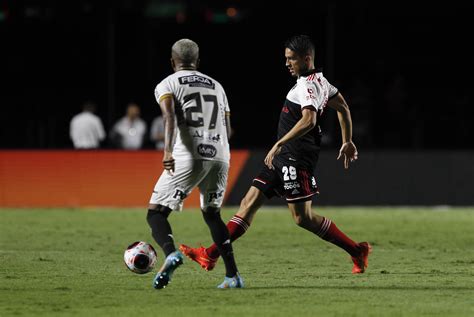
(231, 12)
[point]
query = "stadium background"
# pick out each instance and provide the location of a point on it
(405, 71)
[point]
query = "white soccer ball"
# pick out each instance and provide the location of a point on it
(140, 257)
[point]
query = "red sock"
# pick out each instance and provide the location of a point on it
(237, 227)
(331, 233)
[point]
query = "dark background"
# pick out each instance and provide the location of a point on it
(404, 68)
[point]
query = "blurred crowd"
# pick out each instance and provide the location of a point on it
(386, 114)
(130, 132)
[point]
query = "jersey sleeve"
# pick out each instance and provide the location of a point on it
(310, 96)
(162, 90)
(225, 101)
(332, 91)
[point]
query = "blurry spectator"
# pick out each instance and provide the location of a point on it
(157, 132)
(86, 129)
(128, 133)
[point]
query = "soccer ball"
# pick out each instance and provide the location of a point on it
(140, 257)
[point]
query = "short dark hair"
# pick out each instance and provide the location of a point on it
(301, 45)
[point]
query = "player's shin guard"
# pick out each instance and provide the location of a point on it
(329, 232)
(220, 235)
(236, 227)
(161, 229)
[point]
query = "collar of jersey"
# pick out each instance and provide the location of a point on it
(313, 71)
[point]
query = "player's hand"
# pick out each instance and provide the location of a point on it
(269, 158)
(168, 162)
(349, 152)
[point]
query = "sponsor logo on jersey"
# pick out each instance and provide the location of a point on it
(206, 150)
(214, 137)
(196, 81)
(211, 137)
(291, 185)
(198, 134)
(285, 109)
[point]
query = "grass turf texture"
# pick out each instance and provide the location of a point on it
(56, 262)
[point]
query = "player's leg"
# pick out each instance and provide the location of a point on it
(212, 189)
(300, 186)
(264, 186)
(326, 229)
(237, 226)
(157, 219)
(323, 227)
(240, 222)
(168, 195)
(220, 236)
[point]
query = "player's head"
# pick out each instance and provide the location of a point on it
(184, 55)
(299, 54)
(133, 111)
(88, 106)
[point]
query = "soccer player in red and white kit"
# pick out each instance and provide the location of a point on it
(290, 164)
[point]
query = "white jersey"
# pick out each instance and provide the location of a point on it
(131, 132)
(200, 105)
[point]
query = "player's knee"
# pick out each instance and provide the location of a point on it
(246, 204)
(301, 220)
(211, 210)
(161, 211)
(298, 220)
(211, 214)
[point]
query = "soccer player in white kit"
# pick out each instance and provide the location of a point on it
(196, 154)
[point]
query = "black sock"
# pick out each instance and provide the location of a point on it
(161, 229)
(220, 235)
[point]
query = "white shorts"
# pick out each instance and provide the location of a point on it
(209, 176)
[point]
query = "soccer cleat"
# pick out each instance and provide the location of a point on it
(232, 282)
(200, 256)
(361, 262)
(163, 277)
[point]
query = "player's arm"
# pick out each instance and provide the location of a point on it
(228, 127)
(169, 119)
(348, 149)
(303, 126)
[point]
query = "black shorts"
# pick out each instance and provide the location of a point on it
(294, 183)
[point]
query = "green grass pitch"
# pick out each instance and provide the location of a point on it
(69, 262)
